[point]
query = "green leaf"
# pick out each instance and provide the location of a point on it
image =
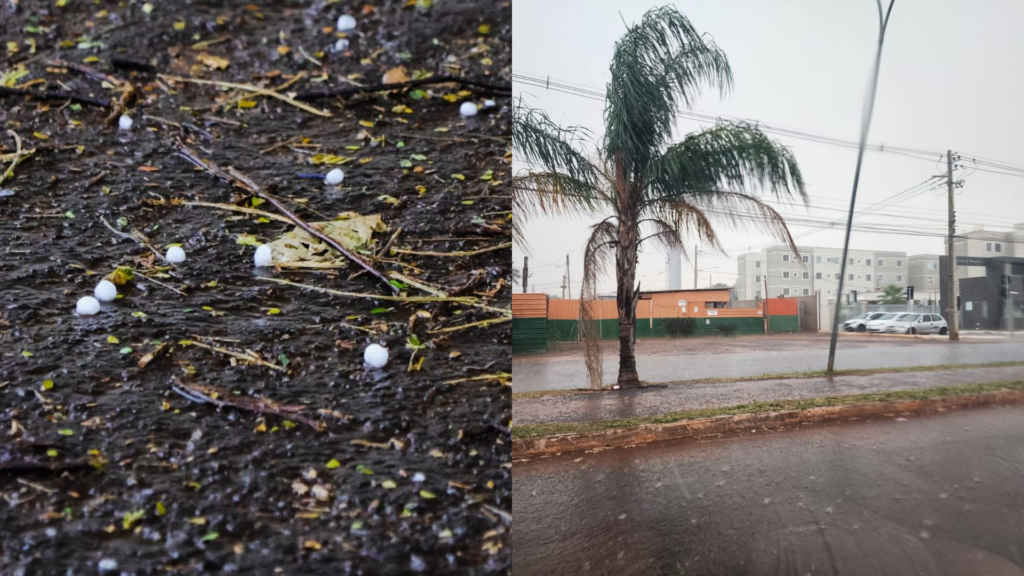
(122, 221)
(427, 494)
(283, 359)
(27, 354)
(210, 537)
(132, 517)
(417, 94)
(418, 157)
(378, 311)
(69, 215)
(65, 432)
(139, 314)
(414, 340)
(333, 463)
(51, 453)
(487, 175)
(364, 470)
(126, 350)
(76, 107)
(400, 144)
(389, 484)
(405, 163)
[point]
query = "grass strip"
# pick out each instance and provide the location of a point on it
(781, 376)
(554, 428)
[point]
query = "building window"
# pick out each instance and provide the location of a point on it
(931, 279)
(807, 275)
(999, 247)
(850, 261)
(757, 279)
(859, 261)
(899, 277)
(785, 291)
(988, 247)
(929, 265)
(881, 277)
(869, 278)
(868, 261)
(899, 263)
(757, 263)
(817, 275)
(817, 259)
(785, 257)
(833, 260)
(850, 276)
(785, 274)
(807, 291)
(757, 295)
(892, 263)
(807, 258)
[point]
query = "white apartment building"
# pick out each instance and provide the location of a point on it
(981, 243)
(778, 271)
(924, 276)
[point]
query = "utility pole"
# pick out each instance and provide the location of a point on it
(951, 310)
(767, 325)
(568, 279)
(1010, 319)
(695, 254)
(563, 286)
(526, 272)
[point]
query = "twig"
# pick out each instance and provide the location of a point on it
(252, 88)
(418, 284)
(19, 156)
(502, 377)
(464, 300)
(127, 88)
(55, 95)
(480, 324)
(446, 79)
(246, 356)
(233, 176)
(185, 126)
(220, 398)
(96, 178)
(145, 360)
(135, 236)
(159, 283)
(233, 208)
(454, 254)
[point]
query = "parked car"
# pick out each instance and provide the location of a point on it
(879, 324)
(859, 323)
(917, 324)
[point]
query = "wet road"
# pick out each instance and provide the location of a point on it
(942, 494)
(569, 373)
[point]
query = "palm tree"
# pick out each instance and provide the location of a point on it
(893, 295)
(654, 190)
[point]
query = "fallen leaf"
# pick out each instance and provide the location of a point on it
(214, 62)
(396, 75)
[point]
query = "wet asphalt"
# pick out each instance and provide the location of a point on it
(568, 373)
(940, 494)
(617, 404)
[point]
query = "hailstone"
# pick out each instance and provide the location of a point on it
(175, 255)
(467, 109)
(376, 355)
(346, 23)
(87, 306)
(264, 255)
(125, 122)
(334, 177)
(105, 291)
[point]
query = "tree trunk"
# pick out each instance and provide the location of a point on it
(625, 277)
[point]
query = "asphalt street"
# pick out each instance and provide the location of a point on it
(940, 494)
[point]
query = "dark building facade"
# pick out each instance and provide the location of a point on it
(984, 299)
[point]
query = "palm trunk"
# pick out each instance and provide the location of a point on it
(625, 276)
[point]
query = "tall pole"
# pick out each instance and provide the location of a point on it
(568, 278)
(865, 126)
(526, 272)
(1008, 269)
(563, 286)
(951, 309)
(695, 253)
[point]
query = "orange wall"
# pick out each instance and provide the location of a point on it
(659, 306)
(529, 305)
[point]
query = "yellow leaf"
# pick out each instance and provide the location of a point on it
(274, 311)
(311, 544)
(91, 59)
(41, 136)
(484, 29)
(198, 521)
(365, 160)
(486, 61)
(214, 62)
(440, 129)
(47, 384)
(262, 427)
(246, 103)
(329, 159)
(422, 190)
(402, 109)
(450, 97)
(179, 25)
(333, 463)
(396, 75)
(282, 50)
(458, 176)
(160, 509)
(366, 123)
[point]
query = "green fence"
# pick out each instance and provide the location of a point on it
(783, 323)
(529, 335)
(568, 330)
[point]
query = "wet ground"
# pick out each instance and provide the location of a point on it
(618, 404)
(101, 460)
(935, 495)
(753, 356)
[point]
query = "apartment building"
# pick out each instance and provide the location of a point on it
(925, 277)
(778, 271)
(981, 243)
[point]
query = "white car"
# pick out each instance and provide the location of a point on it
(859, 323)
(879, 324)
(917, 324)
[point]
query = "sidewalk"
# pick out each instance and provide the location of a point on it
(624, 404)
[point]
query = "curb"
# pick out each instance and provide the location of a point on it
(768, 420)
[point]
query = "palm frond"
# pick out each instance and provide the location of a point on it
(686, 219)
(548, 147)
(734, 156)
(663, 233)
(742, 211)
(596, 255)
(658, 67)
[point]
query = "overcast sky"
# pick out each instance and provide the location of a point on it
(950, 78)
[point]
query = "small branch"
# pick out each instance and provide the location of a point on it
(446, 79)
(236, 177)
(19, 155)
(246, 356)
(135, 237)
(417, 284)
(480, 324)
(252, 88)
(233, 208)
(220, 398)
(464, 300)
(54, 95)
(159, 283)
(454, 254)
(502, 377)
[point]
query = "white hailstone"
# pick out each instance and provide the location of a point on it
(467, 109)
(341, 45)
(87, 306)
(376, 355)
(334, 177)
(489, 104)
(264, 255)
(346, 23)
(125, 122)
(107, 565)
(105, 291)
(175, 255)
(419, 477)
